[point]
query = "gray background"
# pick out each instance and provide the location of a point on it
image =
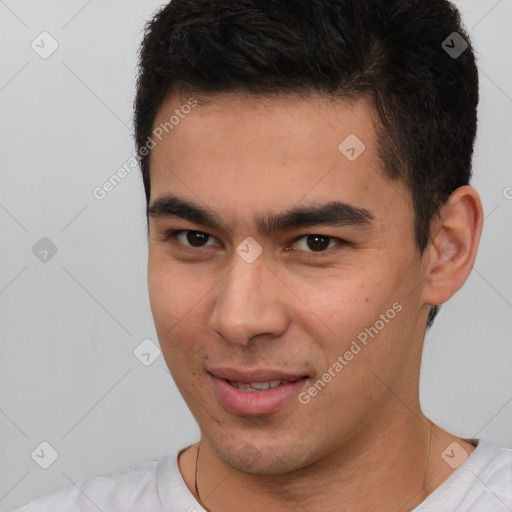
(69, 325)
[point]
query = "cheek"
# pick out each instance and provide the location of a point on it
(362, 314)
(176, 301)
(347, 300)
(175, 296)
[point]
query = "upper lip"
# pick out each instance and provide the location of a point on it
(254, 375)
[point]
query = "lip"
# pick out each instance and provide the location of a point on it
(248, 376)
(259, 403)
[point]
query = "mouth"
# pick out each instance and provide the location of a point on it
(261, 386)
(255, 393)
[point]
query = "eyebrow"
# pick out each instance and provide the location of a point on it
(333, 213)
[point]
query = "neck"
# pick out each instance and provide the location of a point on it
(401, 468)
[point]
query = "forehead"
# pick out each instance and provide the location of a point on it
(259, 152)
(296, 123)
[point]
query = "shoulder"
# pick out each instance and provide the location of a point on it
(495, 468)
(482, 483)
(129, 489)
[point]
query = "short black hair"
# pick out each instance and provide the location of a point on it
(396, 52)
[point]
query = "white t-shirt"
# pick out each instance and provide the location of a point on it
(483, 483)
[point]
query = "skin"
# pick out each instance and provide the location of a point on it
(297, 308)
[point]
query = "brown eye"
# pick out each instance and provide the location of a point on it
(315, 243)
(190, 238)
(196, 238)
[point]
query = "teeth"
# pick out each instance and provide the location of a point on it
(256, 386)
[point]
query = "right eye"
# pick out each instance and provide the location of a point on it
(190, 238)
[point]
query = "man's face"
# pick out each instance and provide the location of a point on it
(345, 282)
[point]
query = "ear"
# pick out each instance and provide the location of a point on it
(452, 250)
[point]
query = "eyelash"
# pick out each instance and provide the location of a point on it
(173, 234)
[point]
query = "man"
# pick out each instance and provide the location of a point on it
(306, 166)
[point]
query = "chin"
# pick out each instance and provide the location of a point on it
(262, 458)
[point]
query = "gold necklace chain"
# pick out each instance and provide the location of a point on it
(195, 480)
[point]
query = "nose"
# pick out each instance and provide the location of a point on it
(250, 302)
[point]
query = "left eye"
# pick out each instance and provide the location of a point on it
(315, 243)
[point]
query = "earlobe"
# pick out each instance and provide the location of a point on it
(452, 250)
